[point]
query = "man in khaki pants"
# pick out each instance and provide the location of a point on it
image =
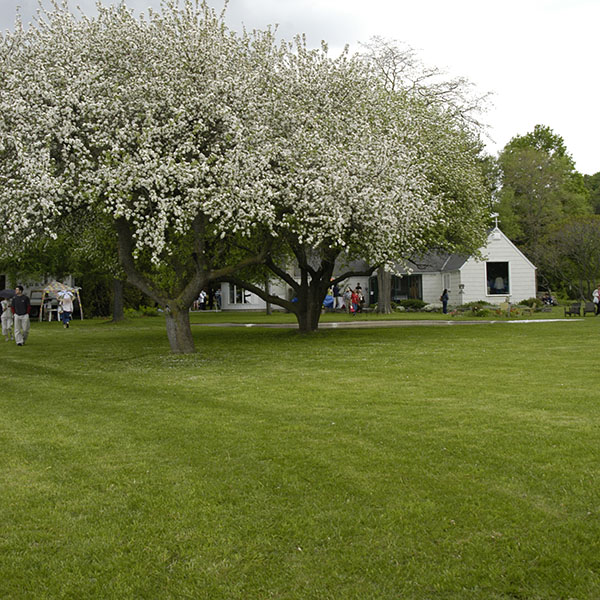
(21, 307)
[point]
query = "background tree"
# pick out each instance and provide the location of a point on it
(539, 188)
(572, 255)
(592, 184)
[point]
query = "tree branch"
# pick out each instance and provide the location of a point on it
(125, 248)
(283, 275)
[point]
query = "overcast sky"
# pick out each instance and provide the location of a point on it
(538, 57)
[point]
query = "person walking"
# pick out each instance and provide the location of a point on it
(21, 307)
(7, 320)
(65, 307)
(202, 300)
(444, 298)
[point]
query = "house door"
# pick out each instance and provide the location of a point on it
(374, 287)
(415, 287)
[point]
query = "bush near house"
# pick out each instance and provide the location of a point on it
(532, 302)
(412, 304)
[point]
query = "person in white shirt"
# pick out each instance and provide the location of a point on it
(7, 320)
(65, 305)
(596, 299)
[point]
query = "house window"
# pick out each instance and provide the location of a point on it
(407, 287)
(497, 278)
(238, 295)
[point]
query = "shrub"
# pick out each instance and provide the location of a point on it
(433, 307)
(532, 302)
(478, 311)
(142, 311)
(413, 304)
(476, 304)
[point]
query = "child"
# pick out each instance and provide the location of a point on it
(7, 320)
(65, 302)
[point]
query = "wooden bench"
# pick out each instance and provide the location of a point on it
(573, 309)
(589, 307)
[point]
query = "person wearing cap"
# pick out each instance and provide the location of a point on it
(21, 307)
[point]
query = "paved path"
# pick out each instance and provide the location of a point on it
(374, 324)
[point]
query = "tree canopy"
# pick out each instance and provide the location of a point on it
(206, 151)
(546, 207)
(144, 120)
(540, 187)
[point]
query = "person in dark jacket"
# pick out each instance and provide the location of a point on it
(21, 307)
(444, 298)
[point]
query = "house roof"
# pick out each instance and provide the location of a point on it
(434, 262)
(342, 265)
(431, 262)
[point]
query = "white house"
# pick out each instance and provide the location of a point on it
(236, 298)
(503, 272)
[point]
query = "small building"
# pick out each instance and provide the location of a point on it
(502, 272)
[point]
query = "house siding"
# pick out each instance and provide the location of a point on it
(432, 287)
(454, 290)
(521, 273)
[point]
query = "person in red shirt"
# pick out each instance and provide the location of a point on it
(355, 299)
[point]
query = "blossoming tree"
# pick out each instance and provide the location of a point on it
(208, 151)
(361, 169)
(143, 120)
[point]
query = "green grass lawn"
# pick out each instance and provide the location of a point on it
(328, 317)
(427, 463)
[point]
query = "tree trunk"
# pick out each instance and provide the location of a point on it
(384, 293)
(308, 319)
(268, 292)
(179, 331)
(118, 300)
(309, 308)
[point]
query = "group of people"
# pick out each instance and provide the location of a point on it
(354, 299)
(15, 314)
(15, 317)
(206, 301)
